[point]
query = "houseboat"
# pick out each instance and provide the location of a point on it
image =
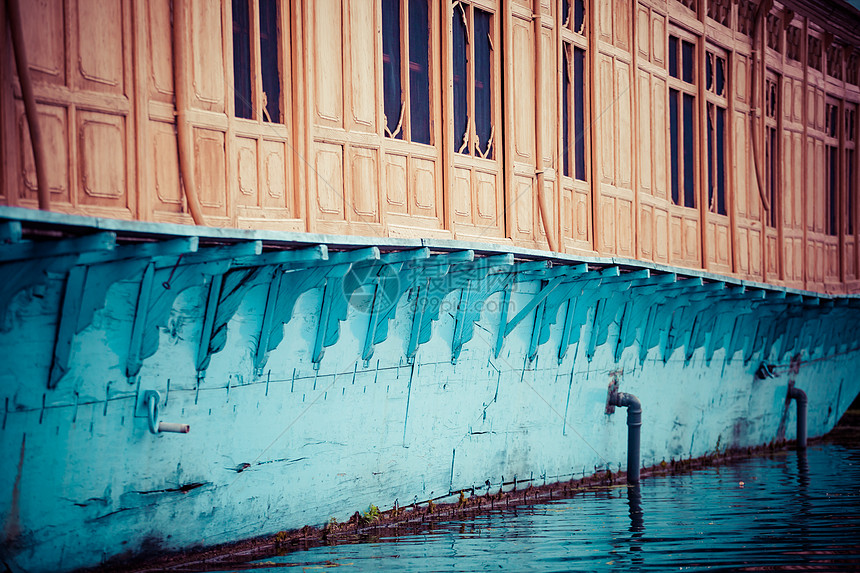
(512, 230)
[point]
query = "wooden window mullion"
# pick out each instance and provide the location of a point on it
(470, 80)
(404, 71)
(256, 75)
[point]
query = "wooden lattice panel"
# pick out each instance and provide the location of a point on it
(814, 53)
(690, 4)
(774, 27)
(720, 10)
(834, 61)
(746, 16)
(793, 48)
(851, 68)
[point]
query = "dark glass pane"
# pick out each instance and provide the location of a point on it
(565, 113)
(674, 144)
(242, 59)
(673, 57)
(419, 71)
(565, 12)
(689, 180)
(850, 191)
(721, 75)
(772, 166)
(579, 111)
(833, 174)
(460, 55)
(709, 71)
(578, 15)
(269, 51)
(391, 86)
(834, 114)
(483, 81)
(711, 181)
(721, 161)
(687, 59)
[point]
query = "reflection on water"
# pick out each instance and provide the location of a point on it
(798, 511)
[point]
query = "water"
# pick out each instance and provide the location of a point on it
(785, 511)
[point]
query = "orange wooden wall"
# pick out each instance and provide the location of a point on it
(104, 79)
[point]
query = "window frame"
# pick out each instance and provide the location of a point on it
(715, 100)
(404, 125)
(466, 143)
(258, 97)
(676, 83)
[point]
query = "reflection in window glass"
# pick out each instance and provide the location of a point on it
(269, 57)
(242, 59)
(419, 71)
(483, 81)
(391, 83)
(460, 54)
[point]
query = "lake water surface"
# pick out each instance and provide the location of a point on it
(785, 511)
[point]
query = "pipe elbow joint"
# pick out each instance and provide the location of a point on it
(798, 395)
(633, 405)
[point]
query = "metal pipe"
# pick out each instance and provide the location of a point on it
(13, 8)
(799, 396)
(174, 427)
(544, 205)
(634, 424)
(183, 125)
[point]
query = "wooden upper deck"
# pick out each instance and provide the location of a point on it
(708, 134)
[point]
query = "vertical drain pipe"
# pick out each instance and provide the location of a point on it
(13, 9)
(634, 424)
(799, 396)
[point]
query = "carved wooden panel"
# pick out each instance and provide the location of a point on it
(245, 152)
(328, 62)
(362, 39)
(275, 188)
(210, 170)
(54, 126)
(160, 50)
(207, 55)
(523, 86)
(44, 37)
(395, 175)
(102, 160)
(364, 184)
(645, 133)
(523, 206)
(422, 176)
(329, 182)
(101, 45)
(165, 166)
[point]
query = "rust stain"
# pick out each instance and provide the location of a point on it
(13, 522)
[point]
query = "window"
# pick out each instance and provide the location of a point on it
(474, 132)
(814, 53)
(851, 68)
(774, 31)
(834, 61)
(406, 69)
(262, 102)
(682, 120)
(573, 15)
(831, 142)
(573, 91)
(793, 35)
(771, 144)
(720, 10)
(746, 16)
(715, 84)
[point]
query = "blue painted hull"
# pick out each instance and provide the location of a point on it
(319, 377)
